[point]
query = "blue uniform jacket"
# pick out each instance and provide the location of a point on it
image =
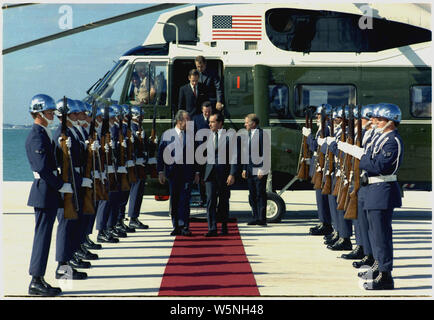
(41, 155)
(383, 158)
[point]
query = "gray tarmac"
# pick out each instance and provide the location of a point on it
(286, 262)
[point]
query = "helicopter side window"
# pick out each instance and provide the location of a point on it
(148, 84)
(278, 95)
(315, 95)
(421, 101)
(112, 90)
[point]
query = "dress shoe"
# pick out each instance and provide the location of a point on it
(89, 244)
(78, 263)
(367, 261)
(325, 229)
(341, 245)
(121, 226)
(312, 229)
(117, 233)
(383, 281)
(332, 240)
(212, 233)
(176, 232)
(186, 233)
(85, 254)
(39, 287)
(357, 253)
(371, 273)
(106, 238)
(252, 222)
(135, 223)
(69, 273)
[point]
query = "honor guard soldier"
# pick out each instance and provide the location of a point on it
(141, 158)
(69, 229)
(381, 163)
(45, 191)
(324, 227)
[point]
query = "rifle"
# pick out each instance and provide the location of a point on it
(125, 186)
(70, 207)
(340, 156)
(141, 173)
(152, 146)
(107, 151)
(351, 210)
(132, 178)
(347, 170)
(317, 178)
(327, 186)
(90, 193)
(303, 166)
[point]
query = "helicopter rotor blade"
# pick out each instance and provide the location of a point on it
(10, 6)
(93, 25)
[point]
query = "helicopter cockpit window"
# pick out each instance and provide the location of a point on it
(421, 101)
(112, 90)
(315, 95)
(148, 84)
(278, 95)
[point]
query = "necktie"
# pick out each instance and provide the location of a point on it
(194, 91)
(216, 146)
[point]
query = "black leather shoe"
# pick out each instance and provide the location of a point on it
(85, 254)
(176, 232)
(212, 233)
(383, 281)
(357, 253)
(331, 240)
(78, 263)
(123, 227)
(341, 245)
(90, 245)
(367, 261)
(39, 287)
(117, 233)
(186, 233)
(252, 222)
(67, 272)
(106, 238)
(135, 223)
(312, 229)
(371, 273)
(325, 229)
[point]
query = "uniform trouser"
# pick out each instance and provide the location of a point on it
(91, 220)
(102, 214)
(333, 211)
(380, 235)
(123, 200)
(217, 190)
(136, 198)
(180, 192)
(345, 225)
(44, 221)
(114, 208)
(362, 221)
(323, 207)
(258, 197)
(69, 232)
(357, 232)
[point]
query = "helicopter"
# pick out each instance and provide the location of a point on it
(274, 60)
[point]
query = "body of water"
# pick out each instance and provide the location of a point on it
(15, 164)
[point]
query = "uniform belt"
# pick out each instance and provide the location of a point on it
(378, 179)
(37, 176)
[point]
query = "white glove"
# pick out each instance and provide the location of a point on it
(103, 176)
(124, 144)
(66, 188)
(357, 152)
(106, 147)
(86, 183)
(122, 170)
(306, 131)
(330, 140)
(95, 146)
(96, 175)
(112, 144)
(140, 161)
(143, 134)
(86, 143)
(68, 142)
(340, 145)
(132, 138)
(130, 163)
(321, 141)
(110, 169)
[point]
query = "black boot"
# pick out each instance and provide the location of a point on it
(371, 273)
(106, 237)
(357, 253)
(325, 229)
(367, 261)
(331, 240)
(135, 223)
(89, 244)
(383, 281)
(341, 245)
(39, 287)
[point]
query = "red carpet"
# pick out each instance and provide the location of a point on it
(215, 266)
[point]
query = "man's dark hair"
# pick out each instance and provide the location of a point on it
(207, 104)
(219, 116)
(200, 59)
(193, 72)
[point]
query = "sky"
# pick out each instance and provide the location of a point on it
(67, 66)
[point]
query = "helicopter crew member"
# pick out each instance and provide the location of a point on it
(45, 191)
(382, 162)
(69, 230)
(324, 227)
(141, 152)
(256, 177)
(179, 173)
(212, 82)
(192, 94)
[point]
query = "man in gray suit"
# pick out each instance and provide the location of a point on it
(219, 175)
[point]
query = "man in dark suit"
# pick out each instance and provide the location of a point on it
(254, 173)
(219, 175)
(192, 95)
(174, 165)
(201, 121)
(212, 82)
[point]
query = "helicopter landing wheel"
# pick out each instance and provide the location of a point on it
(276, 207)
